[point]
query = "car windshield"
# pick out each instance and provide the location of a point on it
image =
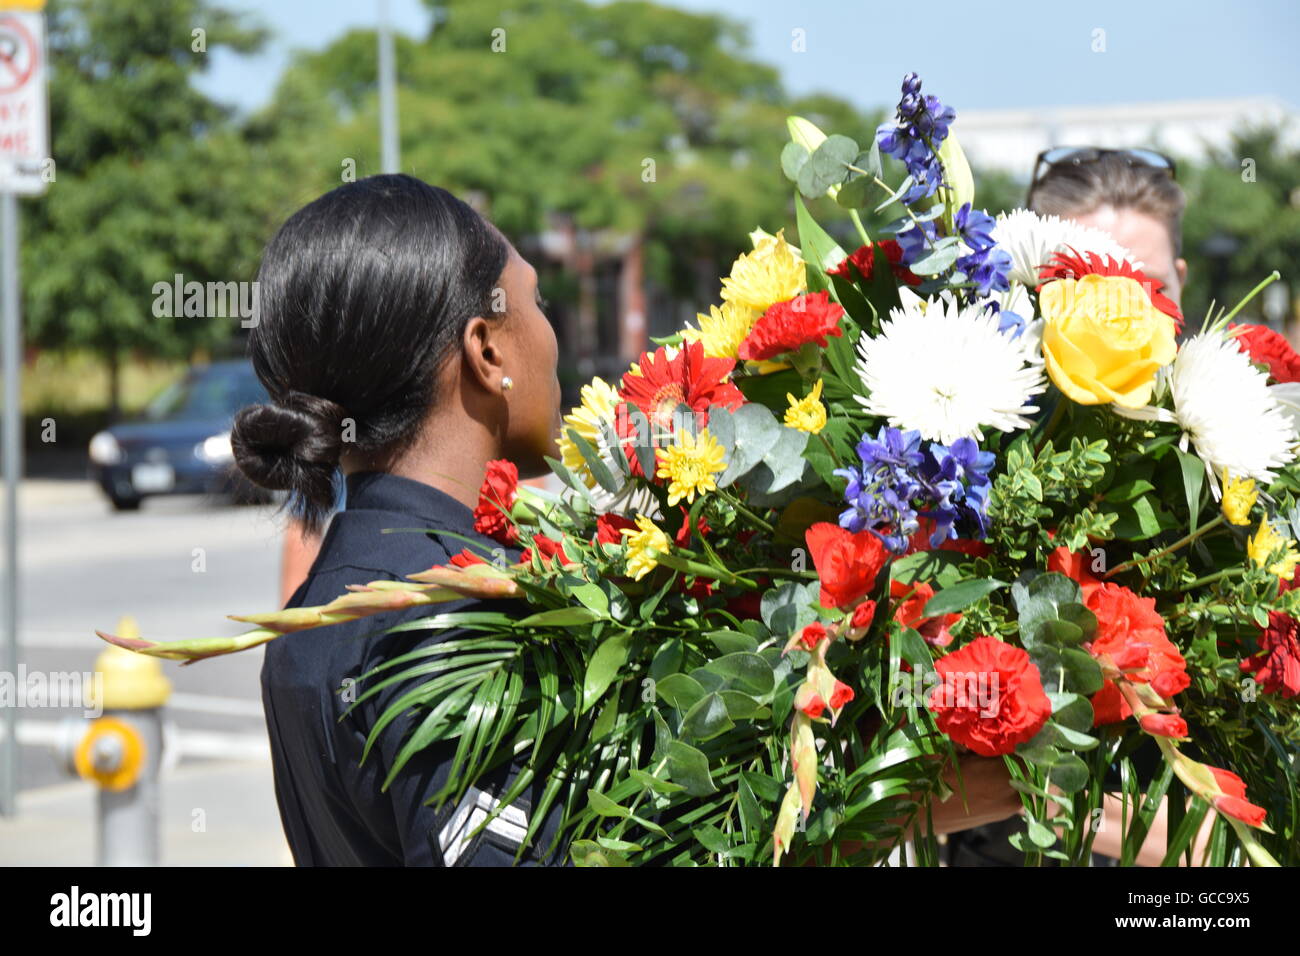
(213, 392)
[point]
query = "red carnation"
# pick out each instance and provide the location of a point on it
(786, 326)
(547, 549)
(813, 634)
(683, 535)
(1277, 664)
(990, 697)
(609, 526)
(1266, 347)
(1074, 265)
(865, 262)
(920, 541)
(688, 378)
(847, 563)
(911, 612)
(1131, 639)
(495, 499)
(1062, 561)
(465, 559)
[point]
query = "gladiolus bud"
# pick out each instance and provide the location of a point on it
(1164, 725)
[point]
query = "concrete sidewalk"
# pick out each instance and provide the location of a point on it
(219, 813)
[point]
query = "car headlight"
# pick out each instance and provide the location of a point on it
(215, 450)
(104, 449)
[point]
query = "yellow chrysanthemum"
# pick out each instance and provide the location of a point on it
(599, 399)
(644, 546)
(722, 330)
(771, 273)
(1267, 542)
(1239, 496)
(691, 463)
(807, 414)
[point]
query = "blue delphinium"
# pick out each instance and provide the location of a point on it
(914, 137)
(986, 265)
(898, 482)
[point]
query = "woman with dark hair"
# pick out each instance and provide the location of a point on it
(401, 340)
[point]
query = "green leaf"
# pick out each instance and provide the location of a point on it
(604, 666)
(730, 642)
(561, 617)
(956, 172)
(820, 251)
(1193, 470)
(755, 432)
(744, 671)
(599, 470)
(960, 596)
(941, 568)
(690, 768)
(707, 718)
(742, 706)
(937, 260)
(590, 853)
(651, 782)
(793, 158)
(680, 690)
(603, 806)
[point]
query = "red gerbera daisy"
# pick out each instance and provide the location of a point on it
(864, 261)
(1076, 265)
(688, 378)
(786, 326)
(1266, 347)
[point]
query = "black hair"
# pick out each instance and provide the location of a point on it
(362, 295)
(1071, 189)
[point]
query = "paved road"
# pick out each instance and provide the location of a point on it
(178, 566)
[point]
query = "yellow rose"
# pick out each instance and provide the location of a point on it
(1103, 340)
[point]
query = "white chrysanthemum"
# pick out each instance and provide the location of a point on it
(1226, 410)
(1031, 240)
(948, 372)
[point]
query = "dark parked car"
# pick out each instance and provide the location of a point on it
(181, 443)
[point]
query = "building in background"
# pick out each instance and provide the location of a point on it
(1008, 140)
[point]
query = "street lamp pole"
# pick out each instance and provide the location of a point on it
(390, 155)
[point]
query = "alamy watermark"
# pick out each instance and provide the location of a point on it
(55, 689)
(194, 299)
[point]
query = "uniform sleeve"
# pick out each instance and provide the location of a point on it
(442, 837)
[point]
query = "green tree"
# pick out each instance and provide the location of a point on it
(152, 179)
(1248, 193)
(627, 116)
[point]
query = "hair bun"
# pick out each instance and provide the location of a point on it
(291, 445)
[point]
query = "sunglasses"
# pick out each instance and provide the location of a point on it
(1050, 159)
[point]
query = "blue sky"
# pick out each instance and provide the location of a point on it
(977, 55)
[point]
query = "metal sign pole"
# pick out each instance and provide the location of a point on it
(11, 446)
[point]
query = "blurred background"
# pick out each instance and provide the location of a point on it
(627, 148)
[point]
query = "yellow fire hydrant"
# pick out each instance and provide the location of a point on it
(121, 751)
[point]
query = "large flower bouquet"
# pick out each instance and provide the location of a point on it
(959, 490)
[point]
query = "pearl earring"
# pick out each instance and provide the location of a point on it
(507, 383)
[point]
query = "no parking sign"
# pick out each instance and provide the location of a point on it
(24, 116)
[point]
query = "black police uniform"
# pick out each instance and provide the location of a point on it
(332, 806)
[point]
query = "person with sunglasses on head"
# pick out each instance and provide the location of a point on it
(1129, 193)
(1132, 195)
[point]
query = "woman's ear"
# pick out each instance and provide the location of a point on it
(481, 347)
(1180, 269)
